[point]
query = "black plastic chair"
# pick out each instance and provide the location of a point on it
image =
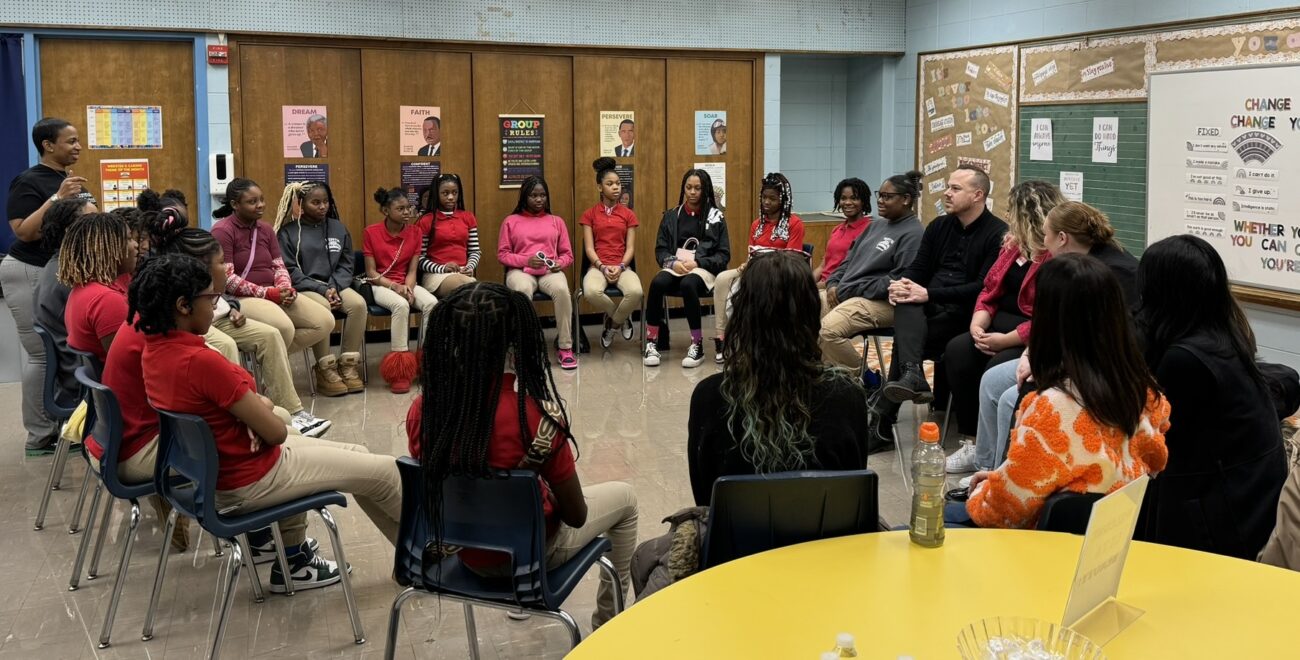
(610, 291)
(749, 514)
(186, 476)
(59, 411)
(376, 310)
(503, 515)
(1067, 512)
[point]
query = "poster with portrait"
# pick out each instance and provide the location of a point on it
(718, 173)
(617, 133)
(306, 131)
(416, 176)
(626, 176)
(710, 132)
(420, 130)
(522, 153)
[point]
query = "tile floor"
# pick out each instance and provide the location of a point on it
(631, 423)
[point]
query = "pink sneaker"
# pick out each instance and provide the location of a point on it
(567, 359)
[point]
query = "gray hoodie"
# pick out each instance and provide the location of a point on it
(323, 259)
(880, 254)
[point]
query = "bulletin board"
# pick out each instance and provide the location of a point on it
(1107, 69)
(966, 114)
(1266, 42)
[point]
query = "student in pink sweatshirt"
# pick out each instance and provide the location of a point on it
(534, 247)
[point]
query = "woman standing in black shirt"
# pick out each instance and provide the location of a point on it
(30, 195)
(776, 407)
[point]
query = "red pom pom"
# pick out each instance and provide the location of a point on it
(399, 369)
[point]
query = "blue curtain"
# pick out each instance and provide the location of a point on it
(13, 123)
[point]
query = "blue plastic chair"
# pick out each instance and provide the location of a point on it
(187, 450)
(749, 514)
(376, 310)
(504, 515)
(1067, 512)
(58, 411)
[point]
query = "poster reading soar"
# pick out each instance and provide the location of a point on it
(521, 148)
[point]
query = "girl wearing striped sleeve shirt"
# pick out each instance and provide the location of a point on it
(450, 251)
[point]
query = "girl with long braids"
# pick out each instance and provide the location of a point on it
(255, 273)
(231, 332)
(692, 248)
(781, 407)
(51, 295)
(776, 228)
(392, 249)
(535, 249)
(259, 462)
(609, 240)
(494, 395)
(96, 261)
(449, 251)
(317, 251)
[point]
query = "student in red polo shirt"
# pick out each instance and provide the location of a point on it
(260, 463)
(96, 262)
(776, 227)
(609, 239)
(449, 250)
(495, 408)
(392, 248)
(853, 199)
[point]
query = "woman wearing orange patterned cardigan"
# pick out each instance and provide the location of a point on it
(1098, 418)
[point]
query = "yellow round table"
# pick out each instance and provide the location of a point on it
(899, 599)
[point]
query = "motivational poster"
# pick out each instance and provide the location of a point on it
(710, 132)
(306, 131)
(1105, 139)
(1040, 139)
(522, 153)
(618, 133)
(419, 130)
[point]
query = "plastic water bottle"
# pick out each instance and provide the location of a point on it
(928, 473)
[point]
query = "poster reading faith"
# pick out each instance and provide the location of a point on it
(420, 130)
(521, 148)
(306, 131)
(124, 126)
(121, 180)
(416, 177)
(710, 132)
(617, 133)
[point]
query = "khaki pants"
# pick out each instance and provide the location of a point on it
(721, 292)
(135, 470)
(400, 326)
(302, 324)
(845, 321)
(19, 282)
(555, 285)
(593, 289)
(354, 328)
(267, 347)
(308, 466)
(442, 284)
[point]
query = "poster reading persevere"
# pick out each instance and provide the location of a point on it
(121, 181)
(626, 176)
(718, 173)
(304, 172)
(617, 133)
(416, 176)
(420, 130)
(124, 126)
(306, 131)
(710, 132)
(521, 148)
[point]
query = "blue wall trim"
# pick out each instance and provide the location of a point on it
(32, 88)
(203, 205)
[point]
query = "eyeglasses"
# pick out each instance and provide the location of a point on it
(212, 296)
(886, 196)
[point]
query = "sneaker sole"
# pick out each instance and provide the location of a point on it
(692, 363)
(899, 394)
(568, 367)
(318, 431)
(650, 363)
(302, 585)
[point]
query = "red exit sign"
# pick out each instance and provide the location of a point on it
(218, 54)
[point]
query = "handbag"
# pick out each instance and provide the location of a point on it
(363, 285)
(684, 253)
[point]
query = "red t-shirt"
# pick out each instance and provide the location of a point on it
(793, 240)
(609, 231)
(837, 246)
(450, 240)
(124, 375)
(94, 311)
(504, 453)
(392, 254)
(181, 374)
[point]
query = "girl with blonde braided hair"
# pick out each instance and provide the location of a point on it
(96, 261)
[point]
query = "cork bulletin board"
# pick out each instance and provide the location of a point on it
(1265, 42)
(1108, 69)
(966, 114)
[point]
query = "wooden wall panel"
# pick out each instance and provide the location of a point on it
(519, 84)
(125, 73)
(716, 85)
(394, 78)
(602, 83)
(275, 76)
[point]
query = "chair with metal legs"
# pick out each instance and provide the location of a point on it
(59, 412)
(612, 291)
(513, 505)
(186, 476)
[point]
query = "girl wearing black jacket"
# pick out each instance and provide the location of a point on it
(692, 248)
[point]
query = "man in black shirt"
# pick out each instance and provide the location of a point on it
(30, 194)
(935, 297)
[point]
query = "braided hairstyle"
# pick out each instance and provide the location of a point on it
(234, 190)
(777, 181)
(294, 196)
(137, 221)
(708, 196)
(94, 247)
(473, 333)
(860, 190)
(171, 234)
(530, 183)
(150, 200)
(58, 218)
(157, 285)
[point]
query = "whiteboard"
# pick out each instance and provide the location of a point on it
(1223, 163)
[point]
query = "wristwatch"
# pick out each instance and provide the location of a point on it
(54, 198)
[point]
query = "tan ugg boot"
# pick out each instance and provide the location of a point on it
(328, 380)
(349, 371)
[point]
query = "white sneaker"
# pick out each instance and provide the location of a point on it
(651, 357)
(964, 482)
(694, 356)
(308, 424)
(962, 460)
(628, 330)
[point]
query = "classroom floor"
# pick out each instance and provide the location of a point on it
(631, 426)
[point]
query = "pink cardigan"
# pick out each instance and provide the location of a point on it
(992, 291)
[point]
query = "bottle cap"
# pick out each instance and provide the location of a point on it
(844, 640)
(929, 432)
(830, 655)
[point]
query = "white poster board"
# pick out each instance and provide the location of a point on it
(1221, 144)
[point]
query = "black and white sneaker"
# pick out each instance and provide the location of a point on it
(651, 356)
(308, 424)
(607, 335)
(264, 552)
(628, 331)
(694, 356)
(717, 350)
(308, 569)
